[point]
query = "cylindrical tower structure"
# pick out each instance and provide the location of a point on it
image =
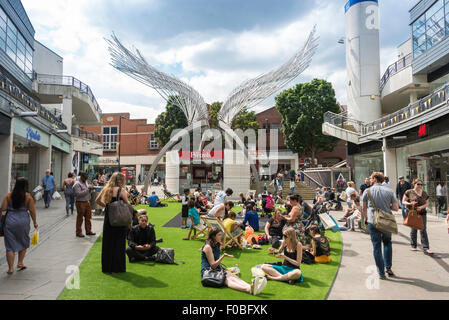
(363, 59)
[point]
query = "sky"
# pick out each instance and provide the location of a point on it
(213, 45)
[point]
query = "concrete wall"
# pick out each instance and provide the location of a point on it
(46, 61)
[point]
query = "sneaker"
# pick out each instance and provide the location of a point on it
(258, 285)
(382, 277)
(390, 272)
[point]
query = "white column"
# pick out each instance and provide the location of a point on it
(236, 174)
(390, 166)
(172, 171)
(6, 144)
(44, 159)
(67, 113)
(66, 163)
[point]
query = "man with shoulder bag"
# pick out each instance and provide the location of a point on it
(378, 203)
(83, 209)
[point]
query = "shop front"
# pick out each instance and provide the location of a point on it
(365, 165)
(201, 169)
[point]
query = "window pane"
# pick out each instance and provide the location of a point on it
(419, 31)
(434, 8)
(420, 22)
(11, 53)
(21, 40)
(3, 14)
(113, 130)
(2, 44)
(3, 24)
(3, 34)
(29, 50)
(12, 27)
(106, 130)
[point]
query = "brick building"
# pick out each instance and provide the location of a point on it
(272, 119)
(138, 147)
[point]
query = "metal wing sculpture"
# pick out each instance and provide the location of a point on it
(169, 87)
(254, 91)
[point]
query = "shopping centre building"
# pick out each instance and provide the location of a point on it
(397, 123)
(40, 109)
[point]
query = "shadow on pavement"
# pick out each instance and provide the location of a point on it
(429, 286)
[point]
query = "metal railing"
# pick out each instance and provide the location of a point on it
(311, 182)
(68, 81)
(77, 132)
(14, 91)
(394, 68)
(435, 99)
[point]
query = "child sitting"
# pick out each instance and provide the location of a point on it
(251, 217)
(195, 217)
(320, 246)
(356, 214)
(232, 226)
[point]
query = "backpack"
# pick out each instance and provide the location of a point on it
(167, 256)
(270, 203)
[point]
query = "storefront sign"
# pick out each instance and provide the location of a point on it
(106, 161)
(85, 158)
(423, 130)
(60, 144)
(32, 135)
(201, 155)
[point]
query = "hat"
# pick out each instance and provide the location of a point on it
(401, 177)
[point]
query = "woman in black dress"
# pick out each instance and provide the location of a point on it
(113, 257)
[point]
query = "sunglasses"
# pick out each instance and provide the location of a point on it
(419, 184)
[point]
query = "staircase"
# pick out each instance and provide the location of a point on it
(301, 188)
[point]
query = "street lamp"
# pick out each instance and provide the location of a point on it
(120, 141)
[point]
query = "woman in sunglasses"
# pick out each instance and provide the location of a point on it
(289, 270)
(418, 200)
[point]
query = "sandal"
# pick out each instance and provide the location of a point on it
(414, 249)
(10, 272)
(429, 252)
(21, 267)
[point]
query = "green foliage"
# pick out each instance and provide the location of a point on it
(173, 118)
(214, 109)
(302, 109)
(244, 120)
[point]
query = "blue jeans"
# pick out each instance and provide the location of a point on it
(384, 260)
(404, 212)
(69, 203)
(47, 197)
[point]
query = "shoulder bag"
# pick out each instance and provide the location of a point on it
(383, 221)
(413, 220)
(2, 227)
(120, 213)
(213, 278)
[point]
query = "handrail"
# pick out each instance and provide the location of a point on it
(316, 183)
(68, 81)
(394, 68)
(435, 99)
(9, 87)
(77, 132)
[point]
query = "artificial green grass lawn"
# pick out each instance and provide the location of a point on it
(152, 281)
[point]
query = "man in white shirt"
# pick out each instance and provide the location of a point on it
(219, 204)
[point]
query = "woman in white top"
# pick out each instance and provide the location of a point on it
(350, 191)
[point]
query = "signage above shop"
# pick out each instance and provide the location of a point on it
(423, 130)
(201, 155)
(32, 135)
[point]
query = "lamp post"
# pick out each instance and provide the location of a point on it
(120, 142)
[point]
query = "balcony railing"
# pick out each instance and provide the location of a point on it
(69, 81)
(394, 68)
(77, 132)
(14, 91)
(425, 104)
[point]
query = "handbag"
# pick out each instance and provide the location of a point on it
(213, 278)
(343, 195)
(413, 220)
(2, 227)
(383, 221)
(120, 213)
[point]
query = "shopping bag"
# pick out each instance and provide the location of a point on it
(38, 189)
(35, 238)
(328, 223)
(38, 196)
(56, 196)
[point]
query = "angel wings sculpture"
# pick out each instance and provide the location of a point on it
(247, 95)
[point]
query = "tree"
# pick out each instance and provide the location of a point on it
(244, 120)
(173, 118)
(302, 109)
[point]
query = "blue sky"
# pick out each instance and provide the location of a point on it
(212, 44)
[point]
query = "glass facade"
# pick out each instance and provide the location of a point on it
(15, 45)
(428, 161)
(365, 165)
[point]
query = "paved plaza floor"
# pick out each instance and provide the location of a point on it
(59, 252)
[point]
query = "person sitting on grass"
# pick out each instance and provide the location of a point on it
(219, 208)
(232, 226)
(251, 217)
(199, 204)
(273, 229)
(242, 199)
(210, 259)
(154, 200)
(290, 268)
(320, 245)
(195, 219)
(142, 242)
(143, 199)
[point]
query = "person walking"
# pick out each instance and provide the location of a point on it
(113, 254)
(440, 198)
(49, 185)
(19, 205)
(384, 199)
(67, 186)
(418, 199)
(82, 193)
(401, 188)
